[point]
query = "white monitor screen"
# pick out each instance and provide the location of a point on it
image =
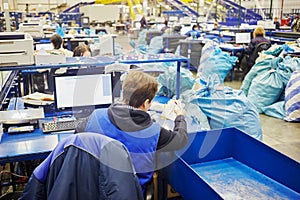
(85, 20)
(45, 46)
(83, 90)
(242, 38)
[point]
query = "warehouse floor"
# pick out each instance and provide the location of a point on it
(282, 136)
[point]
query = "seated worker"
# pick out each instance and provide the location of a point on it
(194, 33)
(82, 50)
(57, 43)
(130, 123)
(43, 82)
(258, 37)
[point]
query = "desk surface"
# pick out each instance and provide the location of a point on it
(230, 47)
(28, 146)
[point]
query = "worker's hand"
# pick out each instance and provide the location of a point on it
(178, 108)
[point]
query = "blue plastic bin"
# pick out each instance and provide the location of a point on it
(229, 164)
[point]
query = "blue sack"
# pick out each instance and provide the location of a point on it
(168, 84)
(276, 110)
(292, 98)
(268, 87)
(256, 70)
(226, 107)
(219, 62)
(156, 45)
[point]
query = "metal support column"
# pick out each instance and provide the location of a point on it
(6, 14)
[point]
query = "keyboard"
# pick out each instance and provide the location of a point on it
(49, 127)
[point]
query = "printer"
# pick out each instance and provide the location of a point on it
(34, 29)
(16, 49)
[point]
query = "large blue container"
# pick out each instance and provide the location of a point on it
(229, 164)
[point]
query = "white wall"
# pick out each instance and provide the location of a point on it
(101, 13)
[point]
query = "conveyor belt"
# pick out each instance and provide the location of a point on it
(284, 34)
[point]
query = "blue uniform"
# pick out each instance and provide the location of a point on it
(141, 144)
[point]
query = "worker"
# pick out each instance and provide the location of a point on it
(143, 22)
(250, 53)
(82, 50)
(57, 43)
(277, 23)
(296, 24)
(194, 33)
(130, 123)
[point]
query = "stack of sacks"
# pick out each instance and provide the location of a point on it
(264, 85)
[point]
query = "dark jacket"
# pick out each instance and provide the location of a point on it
(143, 22)
(135, 129)
(254, 42)
(130, 119)
(85, 166)
(250, 52)
(277, 25)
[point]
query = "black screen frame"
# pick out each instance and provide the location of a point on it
(79, 108)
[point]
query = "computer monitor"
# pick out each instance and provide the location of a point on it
(85, 22)
(45, 46)
(242, 38)
(82, 91)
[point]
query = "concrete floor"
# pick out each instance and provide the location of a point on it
(280, 135)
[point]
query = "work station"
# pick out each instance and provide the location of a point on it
(149, 100)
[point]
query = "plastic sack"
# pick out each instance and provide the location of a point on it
(293, 63)
(279, 50)
(276, 110)
(141, 41)
(193, 110)
(292, 98)
(156, 45)
(218, 62)
(267, 87)
(226, 107)
(262, 56)
(257, 69)
(168, 80)
(140, 45)
(207, 51)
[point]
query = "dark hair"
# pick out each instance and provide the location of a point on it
(80, 49)
(194, 26)
(56, 40)
(138, 87)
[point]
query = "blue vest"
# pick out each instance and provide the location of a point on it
(140, 144)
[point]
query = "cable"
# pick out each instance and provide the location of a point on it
(14, 174)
